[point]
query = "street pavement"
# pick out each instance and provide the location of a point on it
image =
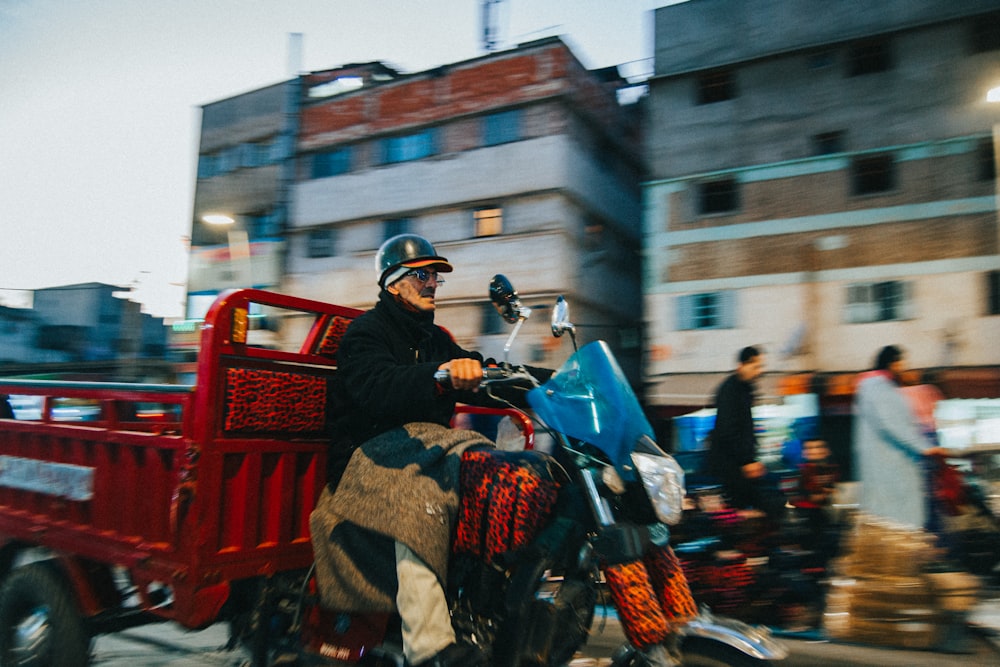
(167, 645)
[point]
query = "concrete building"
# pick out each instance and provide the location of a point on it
(82, 328)
(245, 160)
(822, 183)
(519, 162)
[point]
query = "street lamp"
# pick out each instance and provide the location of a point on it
(239, 248)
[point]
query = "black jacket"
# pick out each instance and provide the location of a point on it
(385, 377)
(733, 443)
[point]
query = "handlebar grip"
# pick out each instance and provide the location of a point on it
(495, 373)
(442, 376)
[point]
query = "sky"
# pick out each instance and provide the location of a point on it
(100, 108)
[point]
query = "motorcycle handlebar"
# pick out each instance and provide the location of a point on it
(489, 373)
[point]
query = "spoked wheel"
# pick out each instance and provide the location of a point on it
(40, 625)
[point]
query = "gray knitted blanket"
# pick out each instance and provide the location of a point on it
(399, 486)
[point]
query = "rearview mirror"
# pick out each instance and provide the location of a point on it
(505, 299)
(560, 318)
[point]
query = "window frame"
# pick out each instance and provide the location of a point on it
(879, 301)
(502, 127)
(490, 321)
(992, 280)
(333, 162)
(716, 85)
(320, 243)
(987, 159)
(873, 174)
(829, 143)
(720, 196)
(706, 311)
(487, 221)
(409, 147)
(871, 55)
(395, 226)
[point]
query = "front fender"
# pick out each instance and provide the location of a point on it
(753, 640)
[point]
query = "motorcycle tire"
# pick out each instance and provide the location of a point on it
(39, 620)
(550, 618)
(699, 652)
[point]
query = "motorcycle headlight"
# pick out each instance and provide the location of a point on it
(664, 481)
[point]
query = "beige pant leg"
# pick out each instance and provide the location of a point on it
(422, 608)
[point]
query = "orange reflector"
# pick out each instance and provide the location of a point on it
(241, 323)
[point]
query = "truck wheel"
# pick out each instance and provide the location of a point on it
(39, 622)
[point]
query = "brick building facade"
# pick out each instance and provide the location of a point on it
(519, 162)
(823, 189)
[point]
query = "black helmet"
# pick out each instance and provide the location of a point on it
(406, 251)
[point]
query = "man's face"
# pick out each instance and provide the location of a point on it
(752, 369)
(417, 289)
(897, 368)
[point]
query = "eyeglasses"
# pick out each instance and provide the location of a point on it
(424, 275)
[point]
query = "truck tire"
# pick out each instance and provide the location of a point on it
(40, 625)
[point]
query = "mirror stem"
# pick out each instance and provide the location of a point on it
(511, 337)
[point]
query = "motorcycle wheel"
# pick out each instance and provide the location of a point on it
(40, 625)
(551, 618)
(706, 653)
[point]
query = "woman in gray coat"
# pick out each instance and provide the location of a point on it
(889, 446)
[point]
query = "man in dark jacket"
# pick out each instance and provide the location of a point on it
(732, 455)
(385, 384)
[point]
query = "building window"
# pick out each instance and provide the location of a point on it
(594, 236)
(871, 174)
(492, 324)
(409, 147)
(828, 143)
(207, 166)
(869, 56)
(709, 310)
(985, 33)
(986, 156)
(282, 147)
(230, 159)
(720, 196)
(716, 86)
(262, 151)
(320, 243)
(263, 225)
(993, 292)
(821, 59)
(502, 128)
(488, 221)
(878, 302)
(395, 227)
(331, 163)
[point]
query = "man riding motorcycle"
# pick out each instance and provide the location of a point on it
(392, 415)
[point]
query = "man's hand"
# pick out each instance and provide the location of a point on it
(754, 470)
(941, 451)
(466, 374)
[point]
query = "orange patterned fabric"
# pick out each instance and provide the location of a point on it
(642, 618)
(506, 498)
(652, 596)
(261, 401)
(671, 585)
(331, 337)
